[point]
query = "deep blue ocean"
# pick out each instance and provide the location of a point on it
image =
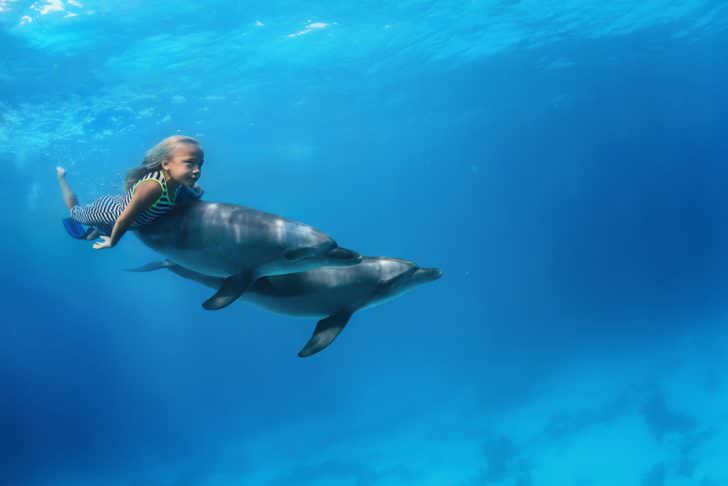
(563, 164)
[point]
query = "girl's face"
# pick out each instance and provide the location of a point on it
(185, 163)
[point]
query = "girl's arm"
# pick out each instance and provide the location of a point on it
(145, 195)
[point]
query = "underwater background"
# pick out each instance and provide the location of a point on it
(563, 163)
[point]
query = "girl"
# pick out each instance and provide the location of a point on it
(168, 173)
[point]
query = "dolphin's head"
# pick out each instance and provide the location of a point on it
(398, 276)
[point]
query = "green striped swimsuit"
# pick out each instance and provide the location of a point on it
(161, 206)
(103, 213)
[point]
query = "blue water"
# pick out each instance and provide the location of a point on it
(563, 163)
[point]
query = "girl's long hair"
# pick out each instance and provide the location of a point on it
(155, 157)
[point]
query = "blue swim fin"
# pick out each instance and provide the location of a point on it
(76, 229)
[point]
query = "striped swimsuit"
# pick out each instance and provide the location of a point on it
(103, 213)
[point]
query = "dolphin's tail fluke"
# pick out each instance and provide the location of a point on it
(150, 267)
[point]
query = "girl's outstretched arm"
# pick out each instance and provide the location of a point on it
(145, 195)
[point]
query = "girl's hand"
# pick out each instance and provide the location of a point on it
(104, 243)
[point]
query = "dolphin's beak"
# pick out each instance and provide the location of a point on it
(427, 274)
(345, 255)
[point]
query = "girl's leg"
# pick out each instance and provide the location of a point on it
(68, 196)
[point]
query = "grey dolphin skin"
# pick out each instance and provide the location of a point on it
(239, 244)
(330, 293)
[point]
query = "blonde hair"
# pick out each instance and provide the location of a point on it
(155, 157)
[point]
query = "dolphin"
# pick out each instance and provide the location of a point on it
(239, 244)
(330, 293)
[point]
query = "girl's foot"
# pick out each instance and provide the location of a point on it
(60, 172)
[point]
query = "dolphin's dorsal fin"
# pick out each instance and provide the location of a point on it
(232, 288)
(326, 331)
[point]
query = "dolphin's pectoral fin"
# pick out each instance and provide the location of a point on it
(232, 288)
(326, 331)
